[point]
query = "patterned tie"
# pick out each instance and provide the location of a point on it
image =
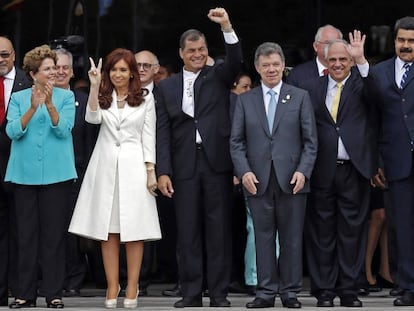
(271, 109)
(325, 72)
(404, 76)
(335, 102)
(2, 103)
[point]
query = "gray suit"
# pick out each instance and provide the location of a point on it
(273, 158)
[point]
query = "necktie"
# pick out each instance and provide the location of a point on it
(335, 102)
(271, 109)
(2, 104)
(325, 72)
(404, 76)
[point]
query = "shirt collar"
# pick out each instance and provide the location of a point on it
(11, 74)
(276, 88)
(321, 67)
(400, 63)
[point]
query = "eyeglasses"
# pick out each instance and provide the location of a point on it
(145, 66)
(5, 54)
(323, 42)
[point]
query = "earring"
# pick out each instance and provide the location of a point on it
(132, 76)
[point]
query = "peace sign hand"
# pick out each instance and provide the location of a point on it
(95, 72)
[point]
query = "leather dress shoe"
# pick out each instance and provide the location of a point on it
(407, 299)
(351, 301)
(325, 301)
(173, 292)
(363, 290)
(219, 302)
(71, 293)
(292, 303)
(189, 302)
(383, 282)
(20, 303)
(260, 303)
(396, 291)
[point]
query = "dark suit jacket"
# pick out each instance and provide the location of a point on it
(84, 134)
(176, 146)
(21, 82)
(303, 72)
(397, 120)
(292, 145)
(354, 126)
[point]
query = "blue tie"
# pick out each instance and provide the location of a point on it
(404, 77)
(271, 109)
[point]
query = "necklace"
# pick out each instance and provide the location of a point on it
(121, 99)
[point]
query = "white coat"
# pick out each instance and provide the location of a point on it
(124, 143)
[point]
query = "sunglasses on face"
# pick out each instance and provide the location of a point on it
(145, 66)
(5, 54)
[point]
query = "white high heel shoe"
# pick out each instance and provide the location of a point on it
(112, 303)
(131, 303)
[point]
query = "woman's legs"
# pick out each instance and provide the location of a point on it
(376, 225)
(134, 252)
(110, 256)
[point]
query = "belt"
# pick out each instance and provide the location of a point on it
(199, 146)
(343, 162)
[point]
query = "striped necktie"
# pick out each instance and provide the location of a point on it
(404, 76)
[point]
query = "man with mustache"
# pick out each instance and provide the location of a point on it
(395, 101)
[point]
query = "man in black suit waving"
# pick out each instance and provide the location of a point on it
(193, 130)
(336, 218)
(12, 80)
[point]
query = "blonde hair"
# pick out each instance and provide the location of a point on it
(34, 58)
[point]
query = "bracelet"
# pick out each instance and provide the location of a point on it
(51, 108)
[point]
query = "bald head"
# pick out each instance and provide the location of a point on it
(7, 56)
(148, 66)
(323, 36)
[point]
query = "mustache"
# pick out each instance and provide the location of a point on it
(406, 50)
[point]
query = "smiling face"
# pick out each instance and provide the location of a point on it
(7, 56)
(45, 73)
(194, 54)
(270, 68)
(339, 61)
(64, 71)
(120, 75)
(404, 45)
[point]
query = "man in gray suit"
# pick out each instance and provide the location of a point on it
(273, 147)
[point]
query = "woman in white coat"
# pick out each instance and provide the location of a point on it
(116, 203)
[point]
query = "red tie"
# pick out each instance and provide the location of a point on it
(2, 105)
(325, 72)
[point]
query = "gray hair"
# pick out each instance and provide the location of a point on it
(63, 51)
(332, 42)
(322, 28)
(266, 49)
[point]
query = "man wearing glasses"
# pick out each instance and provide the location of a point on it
(11, 80)
(316, 67)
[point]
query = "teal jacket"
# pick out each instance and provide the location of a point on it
(42, 153)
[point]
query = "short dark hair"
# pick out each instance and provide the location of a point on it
(406, 23)
(191, 35)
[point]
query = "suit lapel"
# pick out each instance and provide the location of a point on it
(197, 87)
(282, 105)
(259, 105)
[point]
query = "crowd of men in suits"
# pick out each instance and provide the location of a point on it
(306, 147)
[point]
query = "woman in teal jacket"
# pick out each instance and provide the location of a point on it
(41, 167)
